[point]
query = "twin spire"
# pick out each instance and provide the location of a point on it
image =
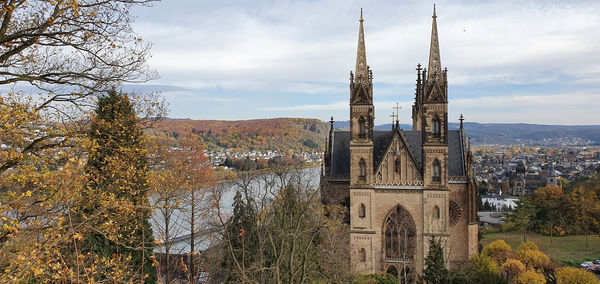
(362, 72)
(435, 65)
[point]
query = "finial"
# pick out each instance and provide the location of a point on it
(361, 17)
(331, 121)
(434, 16)
(461, 121)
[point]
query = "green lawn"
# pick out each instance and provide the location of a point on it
(570, 250)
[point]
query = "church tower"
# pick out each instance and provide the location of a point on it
(433, 110)
(361, 158)
(361, 117)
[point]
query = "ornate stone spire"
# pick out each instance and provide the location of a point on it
(362, 72)
(435, 66)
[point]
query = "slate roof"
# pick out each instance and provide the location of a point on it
(340, 158)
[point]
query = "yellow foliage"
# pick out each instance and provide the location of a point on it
(528, 245)
(482, 264)
(571, 275)
(533, 258)
(530, 277)
(498, 250)
(513, 267)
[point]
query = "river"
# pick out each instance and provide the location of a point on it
(266, 186)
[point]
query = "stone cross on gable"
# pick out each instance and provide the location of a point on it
(397, 108)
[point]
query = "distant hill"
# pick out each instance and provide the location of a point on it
(304, 134)
(296, 134)
(517, 133)
(530, 134)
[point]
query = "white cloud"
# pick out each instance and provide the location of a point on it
(571, 99)
(278, 48)
(341, 105)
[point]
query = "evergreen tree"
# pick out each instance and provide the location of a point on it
(436, 271)
(240, 233)
(119, 241)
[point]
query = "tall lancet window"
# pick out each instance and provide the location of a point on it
(361, 128)
(362, 211)
(362, 254)
(437, 125)
(437, 171)
(362, 170)
(436, 212)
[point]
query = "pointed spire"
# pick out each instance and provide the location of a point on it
(362, 72)
(435, 69)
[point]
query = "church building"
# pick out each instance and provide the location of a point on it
(402, 187)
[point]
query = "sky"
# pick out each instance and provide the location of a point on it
(508, 61)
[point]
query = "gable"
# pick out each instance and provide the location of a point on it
(340, 152)
(397, 166)
(435, 93)
(360, 96)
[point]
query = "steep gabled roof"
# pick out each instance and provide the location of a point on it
(377, 159)
(340, 153)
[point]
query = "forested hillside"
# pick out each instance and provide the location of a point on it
(283, 134)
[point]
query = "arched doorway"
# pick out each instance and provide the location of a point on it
(400, 243)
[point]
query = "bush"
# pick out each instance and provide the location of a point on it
(482, 269)
(534, 259)
(573, 275)
(513, 267)
(498, 250)
(375, 278)
(530, 277)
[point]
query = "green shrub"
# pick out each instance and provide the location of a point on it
(375, 278)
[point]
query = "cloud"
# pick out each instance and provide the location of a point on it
(571, 99)
(280, 49)
(342, 105)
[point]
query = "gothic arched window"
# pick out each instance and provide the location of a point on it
(362, 170)
(436, 212)
(362, 212)
(436, 174)
(400, 239)
(397, 166)
(362, 254)
(437, 126)
(361, 128)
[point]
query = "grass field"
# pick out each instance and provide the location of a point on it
(569, 250)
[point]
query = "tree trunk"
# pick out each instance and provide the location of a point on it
(192, 238)
(167, 249)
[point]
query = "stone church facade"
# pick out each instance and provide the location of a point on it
(402, 187)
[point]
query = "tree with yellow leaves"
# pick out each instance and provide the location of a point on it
(498, 250)
(68, 51)
(530, 277)
(512, 268)
(571, 275)
(115, 207)
(182, 179)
